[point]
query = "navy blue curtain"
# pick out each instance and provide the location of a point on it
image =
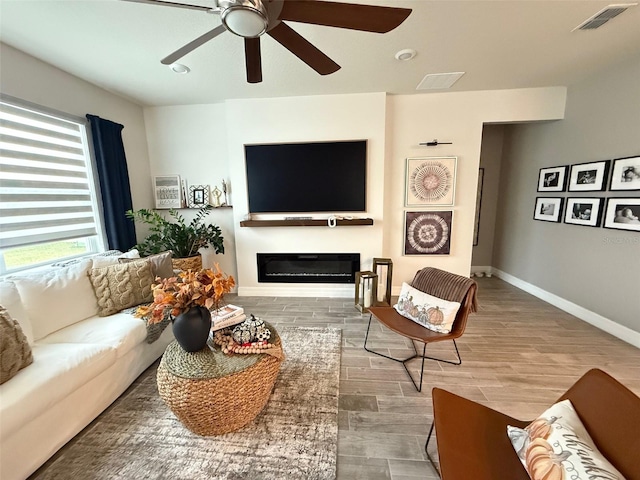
(113, 176)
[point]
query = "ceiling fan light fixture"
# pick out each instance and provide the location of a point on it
(246, 20)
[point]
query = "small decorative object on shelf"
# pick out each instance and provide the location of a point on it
(198, 196)
(225, 191)
(384, 268)
(366, 290)
(216, 197)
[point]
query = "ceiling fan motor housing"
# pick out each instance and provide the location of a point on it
(245, 18)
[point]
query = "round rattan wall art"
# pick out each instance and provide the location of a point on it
(431, 181)
(427, 233)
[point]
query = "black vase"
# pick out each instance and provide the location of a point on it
(191, 328)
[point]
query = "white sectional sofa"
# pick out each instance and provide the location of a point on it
(81, 363)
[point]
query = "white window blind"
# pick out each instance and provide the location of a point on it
(46, 189)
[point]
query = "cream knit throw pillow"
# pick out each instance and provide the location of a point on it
(121, 286)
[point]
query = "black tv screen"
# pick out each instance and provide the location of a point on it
(307, 177)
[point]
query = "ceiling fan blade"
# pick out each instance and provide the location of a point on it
(253, 59)
(171, 4)
(368, 18)
(303, 49)
(192, 45)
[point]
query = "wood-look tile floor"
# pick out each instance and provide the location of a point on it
(519, 354)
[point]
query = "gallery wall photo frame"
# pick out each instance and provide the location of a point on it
(584, 211)
(625, 174)
(548, 209)
(430, 181)
(198, 196)
(589, 177)
(553, 179)
(623, 214)
(167, 191)
(427, 233)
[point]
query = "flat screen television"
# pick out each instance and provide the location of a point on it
(307, 177)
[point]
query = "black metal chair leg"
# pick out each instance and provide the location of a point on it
(426, 449)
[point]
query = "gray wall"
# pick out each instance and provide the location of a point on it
(595, 268)
(490, 160)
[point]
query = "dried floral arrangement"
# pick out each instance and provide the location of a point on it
(175, 295)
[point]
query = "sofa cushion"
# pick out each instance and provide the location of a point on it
(106, 260)
(57, 370)
(57, 298)
(161, 265)
(431, 312)
(121, 286)
(15, 352)
(557, 445)
(120, 331)
(10, 299)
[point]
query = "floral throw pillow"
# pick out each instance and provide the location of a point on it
(557, 446)
(431, 312)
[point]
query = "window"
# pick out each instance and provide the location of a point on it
(48, 202)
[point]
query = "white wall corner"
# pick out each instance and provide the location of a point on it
(620, 331)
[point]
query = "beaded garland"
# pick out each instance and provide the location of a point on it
(224, 338)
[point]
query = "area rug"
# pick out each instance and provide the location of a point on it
(294, 437)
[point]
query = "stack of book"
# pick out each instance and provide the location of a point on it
(226, 317)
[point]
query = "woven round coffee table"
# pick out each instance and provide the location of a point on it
(212, 393)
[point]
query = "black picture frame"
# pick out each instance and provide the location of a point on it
(585, 211)
(589, 177)
(622, 214)
(553, 179)
(548, 209)
(625, 174)
(476, 226)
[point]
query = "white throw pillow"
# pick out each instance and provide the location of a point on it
(557, 445)
(431, 312)
(57, 298)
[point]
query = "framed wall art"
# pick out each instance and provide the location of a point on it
(625, 174)
(430, 181)
(198, 196)
(553, 179)
(167, 191)
(476, 225)
(584, 211)
(427, 233)
(589, 177)
(548, 209)
(623, 214)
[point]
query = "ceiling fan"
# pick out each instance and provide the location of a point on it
(251, 19)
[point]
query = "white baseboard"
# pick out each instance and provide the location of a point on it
(288, 290)
(623, 333)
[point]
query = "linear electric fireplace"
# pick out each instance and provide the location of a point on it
(308, 267)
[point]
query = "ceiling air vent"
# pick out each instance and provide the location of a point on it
(439, 81)
(603, 16)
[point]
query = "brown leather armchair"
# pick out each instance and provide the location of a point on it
(473, 444)
(441, 284)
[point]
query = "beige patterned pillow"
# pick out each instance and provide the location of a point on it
(15, 352)
(121, 286)
(161, 265)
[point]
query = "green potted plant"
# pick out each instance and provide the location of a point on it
(182, 238)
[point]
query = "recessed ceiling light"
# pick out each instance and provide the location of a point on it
(179, 68)
(406, 54)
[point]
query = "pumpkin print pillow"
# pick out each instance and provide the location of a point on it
(431, 312)
(557, 446)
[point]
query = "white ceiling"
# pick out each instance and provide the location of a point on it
(504, 44)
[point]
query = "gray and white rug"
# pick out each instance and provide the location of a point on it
(294, 437)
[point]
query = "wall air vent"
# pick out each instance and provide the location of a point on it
(603, 16)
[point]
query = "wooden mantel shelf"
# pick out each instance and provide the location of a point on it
(305, 223)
